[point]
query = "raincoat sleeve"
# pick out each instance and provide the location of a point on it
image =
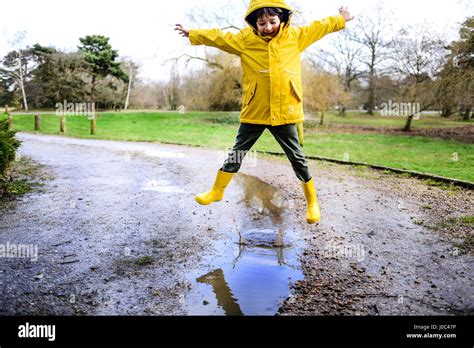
(318, 29)
(228, 42)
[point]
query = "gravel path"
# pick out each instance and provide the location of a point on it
(117, 232)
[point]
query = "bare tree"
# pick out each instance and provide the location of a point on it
(132, 70)
(19, 74)
(130, 79)
(225, 19)
(372, 32)
(418, 54)
(223, 68)
(172, 90)
(214, 88)
(323, 91)
(148, 95)
(341, 59)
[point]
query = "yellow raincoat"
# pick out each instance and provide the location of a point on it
(272, 88)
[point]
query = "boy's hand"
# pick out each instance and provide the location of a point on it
(345, 13)
(182, 30)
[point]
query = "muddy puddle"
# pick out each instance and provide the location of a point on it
(251, 270)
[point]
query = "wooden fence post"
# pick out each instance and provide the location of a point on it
(62, 124)
(9, 121)
(37, 122)
(93, 125)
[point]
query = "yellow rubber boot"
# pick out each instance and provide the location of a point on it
(313, 213)
(217, 191)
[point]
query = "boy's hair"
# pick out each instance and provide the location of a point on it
(283, 14)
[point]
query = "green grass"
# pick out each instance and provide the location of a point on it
(362, 119)
(23, 176)
(467, 244)
(465, 220)
(218, 130)
(18, 187)
(463, 227)
(144, 261)
(134, 262)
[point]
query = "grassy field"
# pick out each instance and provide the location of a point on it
(362, 119)
(218, 130)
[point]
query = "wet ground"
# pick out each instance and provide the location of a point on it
(118, 232)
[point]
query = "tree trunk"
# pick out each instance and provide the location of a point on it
(446, 112)
(322, 118)
(129, 88)
(22, 85)
(371, 99)
(407, 127)
(93, 89)
(467, 113)
(342, 110)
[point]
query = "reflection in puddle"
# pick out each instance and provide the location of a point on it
(261, 197)
(224, 295)
(263, 238)
(254, 282)
(252, 269)
(163, 186)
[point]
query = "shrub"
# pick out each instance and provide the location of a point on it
(8, 146)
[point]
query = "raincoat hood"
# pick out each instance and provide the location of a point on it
(258, 4)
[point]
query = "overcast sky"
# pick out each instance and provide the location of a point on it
(143, 29)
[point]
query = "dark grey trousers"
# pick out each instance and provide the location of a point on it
(286, 136)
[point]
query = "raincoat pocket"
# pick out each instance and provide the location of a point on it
(250, 93)
(297, 91)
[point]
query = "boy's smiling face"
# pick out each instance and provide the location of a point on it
(268, 25)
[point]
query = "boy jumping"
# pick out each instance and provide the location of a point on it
(270, 53)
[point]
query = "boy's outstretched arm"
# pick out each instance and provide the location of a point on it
(344, 12)
(183, 31)
(318, 29)
(228, 42)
